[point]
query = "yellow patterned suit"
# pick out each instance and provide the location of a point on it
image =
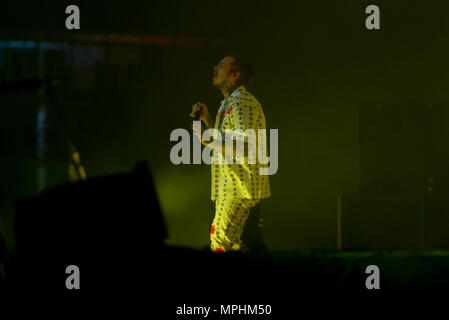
(236, 187)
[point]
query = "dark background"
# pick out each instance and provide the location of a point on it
(316, 65)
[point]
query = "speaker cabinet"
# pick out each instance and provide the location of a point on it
(403, 148)
(381, 222)
(107, 226)
(115, 216)
(375, 221)
(437, 223)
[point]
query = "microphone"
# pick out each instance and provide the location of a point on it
(196, 115)
(30, 84)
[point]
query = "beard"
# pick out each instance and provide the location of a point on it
(217, 82)
(223, 84)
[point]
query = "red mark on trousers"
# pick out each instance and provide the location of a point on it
(212, 231)
(220, 249)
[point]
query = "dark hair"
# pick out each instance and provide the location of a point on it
(246, 69)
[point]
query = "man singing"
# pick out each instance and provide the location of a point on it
(237, 187)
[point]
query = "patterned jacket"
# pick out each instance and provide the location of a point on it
(241, 110)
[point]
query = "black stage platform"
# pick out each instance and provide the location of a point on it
(184, 274)
(160, 282)
(113, 230)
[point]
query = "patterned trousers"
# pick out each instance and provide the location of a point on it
(228, 224)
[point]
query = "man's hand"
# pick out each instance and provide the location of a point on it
(204, 114)
(198, 132)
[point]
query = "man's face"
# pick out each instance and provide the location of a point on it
(223, 78)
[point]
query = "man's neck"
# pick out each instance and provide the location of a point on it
(227, 91)
(224, 92)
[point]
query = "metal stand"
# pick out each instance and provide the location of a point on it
(76, 166)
